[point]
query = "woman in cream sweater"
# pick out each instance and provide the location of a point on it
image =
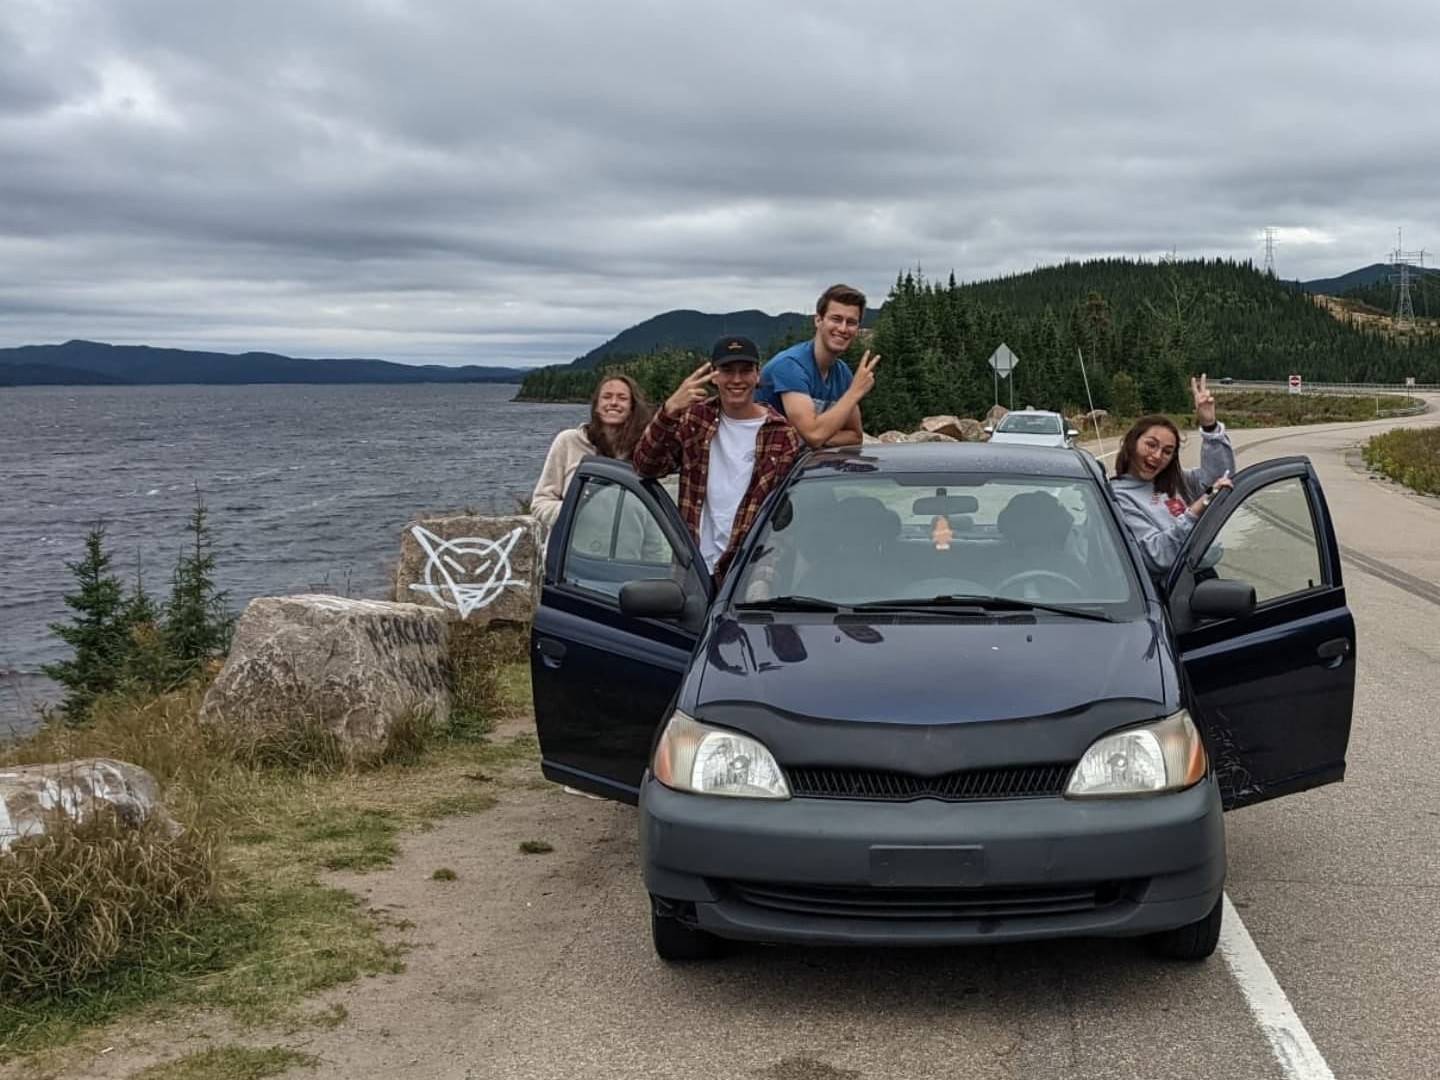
(618, 414)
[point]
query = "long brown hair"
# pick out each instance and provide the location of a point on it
(623, 442)
(1170, 479)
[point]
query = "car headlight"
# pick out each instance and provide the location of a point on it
(1166, 755)
(706, 760)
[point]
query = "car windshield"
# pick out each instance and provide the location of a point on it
(1030, 424)
(895, 538)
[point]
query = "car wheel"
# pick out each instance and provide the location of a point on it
(1194, 941)
(675, 942)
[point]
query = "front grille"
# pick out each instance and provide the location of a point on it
(935, 903)
(1020, 782)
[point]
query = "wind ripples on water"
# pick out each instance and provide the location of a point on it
(308, 488)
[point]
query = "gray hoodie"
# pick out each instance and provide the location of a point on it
(1161, 524)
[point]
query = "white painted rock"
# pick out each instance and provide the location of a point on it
(479, 569)
(31, 794)
(356, 665)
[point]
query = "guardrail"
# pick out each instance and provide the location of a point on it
(1325, 388)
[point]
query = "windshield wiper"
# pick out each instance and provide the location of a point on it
(790, 603)
(979, 603)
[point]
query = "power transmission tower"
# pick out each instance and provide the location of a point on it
(1269, 251)
(1404, 261)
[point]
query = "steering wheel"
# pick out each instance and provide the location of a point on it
(1074, 587)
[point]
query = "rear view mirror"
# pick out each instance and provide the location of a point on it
(944, 505)
(658, 598)
(1220, 599)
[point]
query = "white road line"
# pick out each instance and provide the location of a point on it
(1290, 1042)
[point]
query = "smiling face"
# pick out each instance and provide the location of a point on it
(613, 404)
(736, 384)
(837, 327)
(1154, 450)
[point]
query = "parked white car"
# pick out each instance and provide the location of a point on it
(1032, 427)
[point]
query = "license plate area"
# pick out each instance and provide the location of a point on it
(925, 865)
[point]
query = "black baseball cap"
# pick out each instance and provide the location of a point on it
(732, 348)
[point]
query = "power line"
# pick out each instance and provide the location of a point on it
(1404, 262)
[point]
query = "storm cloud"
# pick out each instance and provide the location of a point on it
(509, 183)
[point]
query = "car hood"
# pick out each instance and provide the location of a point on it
(926, 669)
(1018, 439)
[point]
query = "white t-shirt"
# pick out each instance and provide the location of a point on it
(732, 461)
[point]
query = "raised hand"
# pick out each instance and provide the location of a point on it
(863, 380)
(1204, 401)
(695, 387)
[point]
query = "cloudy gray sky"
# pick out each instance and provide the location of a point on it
(516, 182)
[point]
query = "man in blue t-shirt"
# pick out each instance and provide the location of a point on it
(811, 385)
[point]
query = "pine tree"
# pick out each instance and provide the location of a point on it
(147, 664)
(197, 623)
(97, 632)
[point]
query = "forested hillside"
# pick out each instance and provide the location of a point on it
(1142, 327)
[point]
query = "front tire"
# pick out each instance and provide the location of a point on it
(1193, 942)
(676, 942)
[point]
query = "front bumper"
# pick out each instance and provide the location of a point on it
(826, 871)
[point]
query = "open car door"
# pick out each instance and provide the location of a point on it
(1272, 687)
(602, 679)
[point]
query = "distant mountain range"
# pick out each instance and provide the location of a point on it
(1365, 277)
(697, 330)
(96, 363)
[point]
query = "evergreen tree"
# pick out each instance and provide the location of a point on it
(98, 631)
(1124, 395)
(197, 623)
(147, 665)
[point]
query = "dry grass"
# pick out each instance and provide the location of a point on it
(230, 1063)
(83, 897)
(257, 929)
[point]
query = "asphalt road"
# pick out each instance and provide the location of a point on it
(1339, 890)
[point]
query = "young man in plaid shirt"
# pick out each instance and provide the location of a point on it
(730, 450)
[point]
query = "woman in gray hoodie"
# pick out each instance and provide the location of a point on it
(1161, 501)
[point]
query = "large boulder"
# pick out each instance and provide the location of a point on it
(943, 425)
(996, 413)
(479, 569)
(30, 796)
(891, 436)
(972, 430)
(927, 436)
(356, 666)
(1095, 416)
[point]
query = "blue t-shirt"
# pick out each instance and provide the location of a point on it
(795, 371)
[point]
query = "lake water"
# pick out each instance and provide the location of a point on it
(308, 489)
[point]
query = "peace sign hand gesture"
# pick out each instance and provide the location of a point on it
(863, 381)
(695, 387)
(1204, 401)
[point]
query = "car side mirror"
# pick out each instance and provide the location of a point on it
(1221, 599)
(1071, 433)
(657, 598)
(989, 429)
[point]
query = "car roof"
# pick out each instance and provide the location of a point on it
(948, 457)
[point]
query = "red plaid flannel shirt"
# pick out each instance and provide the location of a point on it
(682, 443)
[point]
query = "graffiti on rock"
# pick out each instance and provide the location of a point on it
(468, 573)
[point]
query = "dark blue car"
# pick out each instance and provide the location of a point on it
(938, 700)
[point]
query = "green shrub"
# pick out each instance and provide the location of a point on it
(1409, 455)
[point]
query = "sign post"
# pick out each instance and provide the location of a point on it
(1295, 387)
(1003, 362)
